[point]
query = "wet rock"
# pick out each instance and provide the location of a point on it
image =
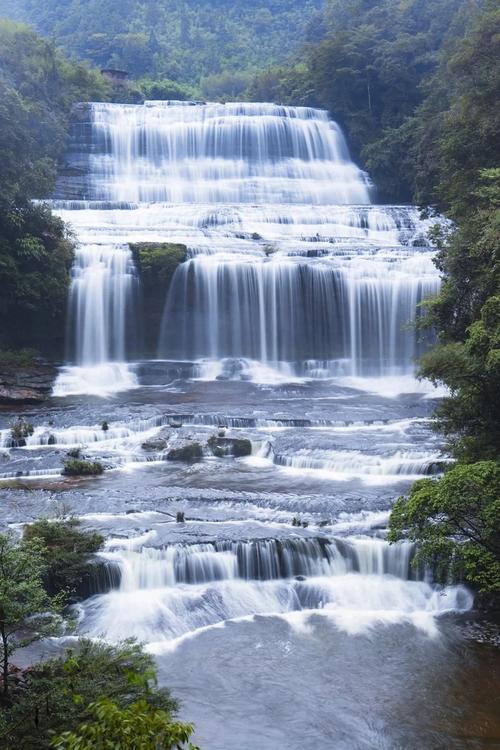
(186, 451)
(230, 446)
(15, 395)
(158, 442)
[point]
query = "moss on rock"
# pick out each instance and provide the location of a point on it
(186, 452)
(156, 263)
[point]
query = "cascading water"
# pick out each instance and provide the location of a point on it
(101, 313)
(291, 270)
(172, 591)
(216, 153)
(261, 558)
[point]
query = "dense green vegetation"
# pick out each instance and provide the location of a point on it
(138, 725)
(54, 698)
(190, 41)
(65, 550)
(80, 467)
(27, 612)
(457, 519)
(109, 689)
(37, 89)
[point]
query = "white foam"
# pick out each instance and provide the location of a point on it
(392, 386)
(102, 380)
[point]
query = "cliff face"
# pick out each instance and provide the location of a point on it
(156, 263)
(73, 181)
(26, 383)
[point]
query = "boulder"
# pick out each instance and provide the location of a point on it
(186, 451)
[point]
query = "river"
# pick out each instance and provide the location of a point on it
(277, 611)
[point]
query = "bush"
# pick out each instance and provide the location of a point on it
(54, 696)
(80, 468)
(136, 726)
(456, 522)
(20, 430)
(66, 550)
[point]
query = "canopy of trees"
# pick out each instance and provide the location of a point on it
(37, 88)
(182, 40)
(457, 518)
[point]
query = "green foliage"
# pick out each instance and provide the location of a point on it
(65, 551)
(76, 467)
(456, 521)
(37, 89)
(471, 415)
(166, 39)
(138, 725)
(157, 262)
(17, 359)
(26, 610)
(36, 254)
(466, 315)
(20, 430)
(165, 88)
(54, 696)
(224, 86)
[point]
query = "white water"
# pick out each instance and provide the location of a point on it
(292, 274)
(167, 593)
(233, 153)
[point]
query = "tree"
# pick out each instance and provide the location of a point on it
(65, 551)
(137, 726)
(27, 612)
(456, 522)
(37, 90)
(54, 697)
(470, 416)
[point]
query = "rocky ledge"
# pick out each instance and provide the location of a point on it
(26, 384)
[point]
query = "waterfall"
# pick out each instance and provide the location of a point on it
(101, 292)
(101, 312)
(291, 270)
(220, 153)
(352, 319)
(166, 593)
(262, 560)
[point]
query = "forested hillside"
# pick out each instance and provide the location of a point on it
(183, 40)
(37, 89)
(374, 66)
